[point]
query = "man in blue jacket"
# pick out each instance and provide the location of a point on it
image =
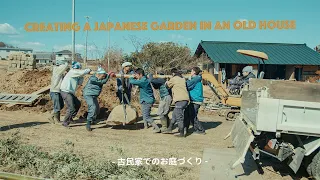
(195, 88)
(91, 92)
(165, 100)
(146, 97)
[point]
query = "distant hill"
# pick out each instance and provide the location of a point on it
(2, 44)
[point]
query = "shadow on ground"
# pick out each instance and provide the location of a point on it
(275, 166)
(22, 125)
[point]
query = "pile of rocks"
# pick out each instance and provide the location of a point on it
(21, 60)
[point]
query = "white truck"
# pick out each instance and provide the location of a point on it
(280, 119)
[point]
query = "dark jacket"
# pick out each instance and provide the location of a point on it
(195, 88)
(159, 83)
(94, 86)
(245, 80)
(146, 92)
(127, 86)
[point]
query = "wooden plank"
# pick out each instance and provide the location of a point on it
(40, 91)
(18, 99)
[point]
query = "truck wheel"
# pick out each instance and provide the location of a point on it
(314, 167)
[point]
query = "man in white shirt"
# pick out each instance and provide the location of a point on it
(69, 85)
(58, 71)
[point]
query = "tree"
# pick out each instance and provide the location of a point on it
(115, 58)
(165, 56)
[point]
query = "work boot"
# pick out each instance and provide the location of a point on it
(169, 129)
(145, 125)
(164, 123)
(56, 117)
(156, 128)
(51, 119)
(199, 133)
(88, 126)
(66, 122)
(182, 132)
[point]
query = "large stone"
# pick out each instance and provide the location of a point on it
(117, 115)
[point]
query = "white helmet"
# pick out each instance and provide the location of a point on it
(126, 64)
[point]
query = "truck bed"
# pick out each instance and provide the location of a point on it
(280, 111)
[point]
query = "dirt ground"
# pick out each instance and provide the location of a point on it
(105, 142)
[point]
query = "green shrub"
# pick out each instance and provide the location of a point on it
(16, 157)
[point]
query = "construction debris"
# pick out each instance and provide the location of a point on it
(21, 60)
(18, 98)
(37, 93)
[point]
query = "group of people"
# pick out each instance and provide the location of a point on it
(185, 94)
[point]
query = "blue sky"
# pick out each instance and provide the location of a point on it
(16, 13)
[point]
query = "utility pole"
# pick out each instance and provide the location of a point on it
(108, 46)
(73, 32)
(86, 52)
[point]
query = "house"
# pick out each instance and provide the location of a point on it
(44, 57)
(66, 55)
(5, 51)
(284, 60)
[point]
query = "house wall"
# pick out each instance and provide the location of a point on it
(4, 53)
(309, 71)
(290, 71)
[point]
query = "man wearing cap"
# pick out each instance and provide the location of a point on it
(58, 71)
(123, 86)
(247, 73)
(91, 92)
(68, 88)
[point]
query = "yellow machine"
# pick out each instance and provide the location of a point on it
(227, 100)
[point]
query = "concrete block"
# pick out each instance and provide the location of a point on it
(216, 164)
(13, 65)
(30, 67)
(23, 58)
(23, 66)
(23, 62)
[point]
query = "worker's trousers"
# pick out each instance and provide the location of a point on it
(57, 101)
(191, 116)
(73, 105)
(178, 114)
(119, 95)
(146, 110)
(93, 107)
(164, 106)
